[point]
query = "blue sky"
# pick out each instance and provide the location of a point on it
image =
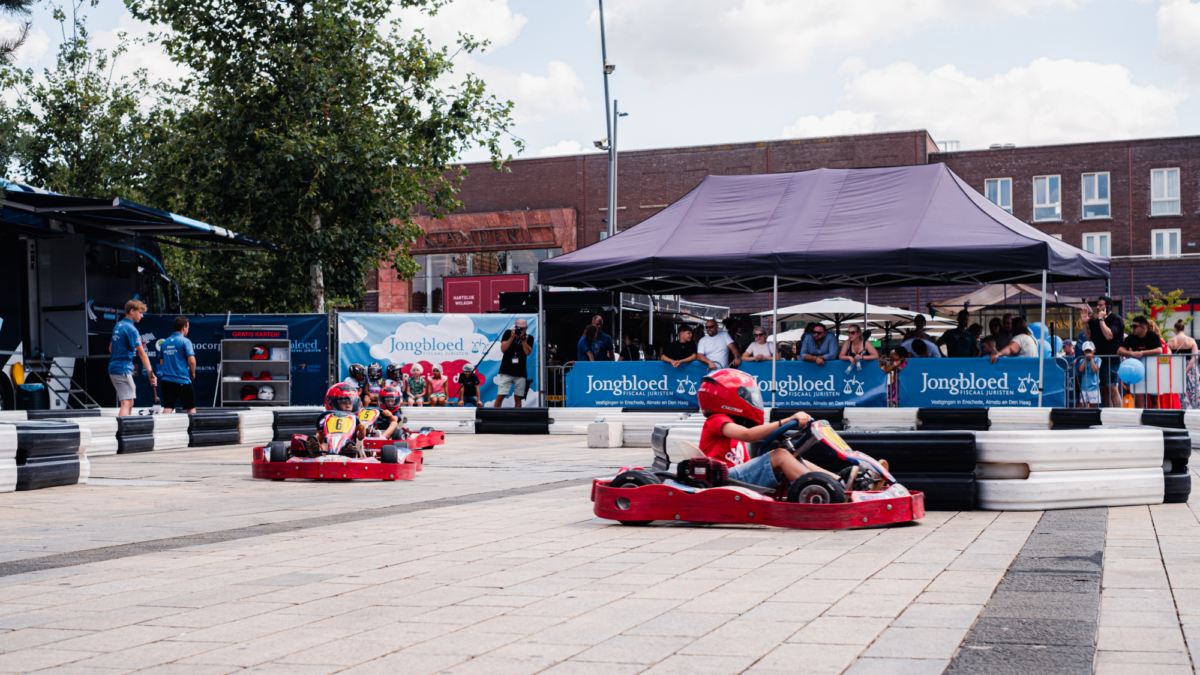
(694, 72)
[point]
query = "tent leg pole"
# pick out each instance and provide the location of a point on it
(651, 333)
(620, 315)
(1041, 341)
(541, 351)
(866, 299)
(775, 330)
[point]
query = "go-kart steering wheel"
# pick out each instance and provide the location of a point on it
(778, 435)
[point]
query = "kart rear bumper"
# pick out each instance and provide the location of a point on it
(337, 468)
(733, 505)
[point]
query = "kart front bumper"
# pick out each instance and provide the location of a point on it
(337, 468)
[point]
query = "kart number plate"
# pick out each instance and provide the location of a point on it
(833, 438)
(338, 424)
(368, 416)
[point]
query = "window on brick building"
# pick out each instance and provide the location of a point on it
(1164, 192)
(1047, 198)
(1095, 196)
(999, 192)
(1096, 242)
(1057, 236)
(1164, 243)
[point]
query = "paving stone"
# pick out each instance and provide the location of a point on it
(1033, 632)
(634, 649)
(806, 658)
(681, 624)
(1011, 659)
(874, 666)
(1048, 605)
(938, 616)
(1055, 583)
(900, 642)
(841, 630)
(1141, 639)
(742, 638)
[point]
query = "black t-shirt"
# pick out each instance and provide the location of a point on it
(958, 343)
(470, 384)
(631, 353)
(678, 351)
(1116, 325)
(513, 362)
(1141, 344)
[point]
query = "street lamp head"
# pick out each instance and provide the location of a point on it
(609, 67)
(601, 144)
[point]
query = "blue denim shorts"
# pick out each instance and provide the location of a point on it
(757, 471)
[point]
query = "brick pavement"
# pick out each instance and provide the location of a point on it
(532, 583)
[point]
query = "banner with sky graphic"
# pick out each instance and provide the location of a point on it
(448, 341)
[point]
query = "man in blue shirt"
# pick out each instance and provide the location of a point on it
(818, 346)
(602, 350)
(126, 343)
(178, 361)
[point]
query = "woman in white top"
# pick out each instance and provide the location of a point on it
(1022, 344)
(856, 347)
(760, 349)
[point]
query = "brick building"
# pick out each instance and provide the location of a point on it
(1136, 201)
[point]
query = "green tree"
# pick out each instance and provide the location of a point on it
(79, 130)
(20, 8)
(319, 126)
(1159, 307)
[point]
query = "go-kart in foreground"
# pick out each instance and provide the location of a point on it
(700, 491)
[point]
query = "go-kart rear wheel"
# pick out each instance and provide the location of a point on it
(816, 488)
(277, 451)
(634, 478)
(389, 455)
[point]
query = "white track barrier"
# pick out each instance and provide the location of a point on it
(1071, 450)
(1073, 490)
(574, 420)
(85, 443)
(103, 431)
(1121, 417)
(638, 426)
(171, 431)
(255, 426)
(13, 416)
(449, 419)
(8, 457)
(1191, 420)
(881, 419)
(1018, 419)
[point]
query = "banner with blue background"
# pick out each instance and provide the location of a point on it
(309, 334)
(446, 340)
(975, 383)
(656, 384)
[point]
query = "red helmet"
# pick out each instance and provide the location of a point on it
(733, 393)
(389, 399)
(341, 397)
(260, 353)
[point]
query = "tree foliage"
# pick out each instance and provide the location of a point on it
(1159, 307)
(322, 127)
(10, 45)
(77, 129)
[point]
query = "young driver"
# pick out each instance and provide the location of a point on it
(733, 404)
(340, 398)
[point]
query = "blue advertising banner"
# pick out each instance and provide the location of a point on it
(445, 340)
(937, 383)
(657, 384)
(309, 334)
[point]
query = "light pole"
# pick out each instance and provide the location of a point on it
(609, 126)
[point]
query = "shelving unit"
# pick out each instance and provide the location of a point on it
(235, 360)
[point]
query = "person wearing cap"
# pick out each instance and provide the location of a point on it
(177, 365)
(515, 345)
(1088, 368)
(468, 383)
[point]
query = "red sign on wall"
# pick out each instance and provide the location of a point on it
(477, 295)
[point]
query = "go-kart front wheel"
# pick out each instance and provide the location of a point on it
(389, 454)
(633, 478)
(277, 451)
(816, 488)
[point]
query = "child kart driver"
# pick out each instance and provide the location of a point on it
(390, 399)
(341, 397)
(733, 404)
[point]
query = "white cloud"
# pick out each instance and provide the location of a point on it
(453, 337)
(668, 39)
(37, 43)
(351, 332)
(561, 148)
(484, 19)
(1048, 101)
(139, 55)
(537, 97)
(1179, 36)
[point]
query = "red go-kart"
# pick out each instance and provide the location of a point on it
(702, 492)
(422, 439)
(380, 459)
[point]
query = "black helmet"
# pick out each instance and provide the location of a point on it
(394, 372)
(374, 372)
(358, 372)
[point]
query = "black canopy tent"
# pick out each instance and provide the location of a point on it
(822, 230)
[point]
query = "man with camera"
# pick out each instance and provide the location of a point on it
(1106, 330)
(516, 345)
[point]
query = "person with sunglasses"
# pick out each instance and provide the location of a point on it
(716, 349)
(818, 346)
(760, 349)
(857, 347)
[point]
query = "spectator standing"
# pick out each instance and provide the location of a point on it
(177, 365)
(717, 349)
(1006, 331)
(891, 369)
(760, 349)
(681, 350)
(1106, 330)
(959, 341)
(516, 345)
(987, 346)
(583, 351)
(927, 350)
(857, 347)
(818, 346)
(631, 350)
(603, 349)
(745, 335)
(1182, 343)
(1022, 343)
(918, 329)
(1068, 349)
(1089, 376)
(127, 343)
(1140, 343)
(468, 382)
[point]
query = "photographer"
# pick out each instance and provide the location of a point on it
(516, 345)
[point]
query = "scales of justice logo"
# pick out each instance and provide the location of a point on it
(686, 386)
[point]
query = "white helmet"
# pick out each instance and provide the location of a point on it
(266, 393)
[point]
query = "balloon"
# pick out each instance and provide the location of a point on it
(1036, 329)
(1131, 371)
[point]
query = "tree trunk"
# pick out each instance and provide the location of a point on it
(317, 278)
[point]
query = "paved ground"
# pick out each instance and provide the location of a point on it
(496, 580)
